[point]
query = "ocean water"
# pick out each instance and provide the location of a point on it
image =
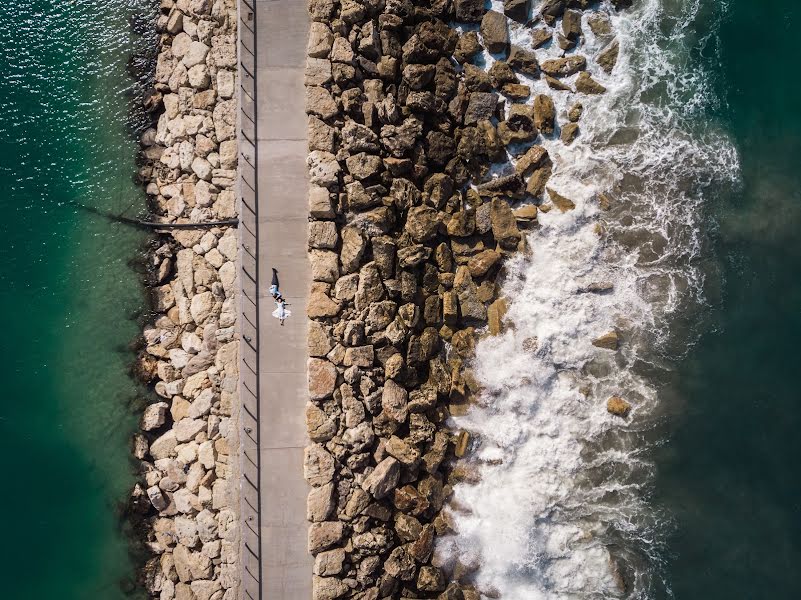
(69, 295)
(693, 494)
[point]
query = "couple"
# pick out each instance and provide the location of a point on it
(281, 312)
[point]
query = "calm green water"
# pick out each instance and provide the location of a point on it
(729, 474)
(68, 296)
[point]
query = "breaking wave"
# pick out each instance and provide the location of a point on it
(558, 507)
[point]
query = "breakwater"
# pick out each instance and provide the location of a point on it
(429, 167)
(188, 444)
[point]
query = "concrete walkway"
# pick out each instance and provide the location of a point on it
(282, 27)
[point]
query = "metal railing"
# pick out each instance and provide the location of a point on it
(250, 489)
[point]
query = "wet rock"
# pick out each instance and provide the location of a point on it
(608, 341)
(544, 114)
(561, 202)
(600, 24)
(607, 58)
(523, 60)
(575, 111)
(504, 225)
(564, 67)
(569, 133)
(618, 406)
(540, 36)
(585, 84)
(518, 10)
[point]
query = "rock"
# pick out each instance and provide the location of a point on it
(394, 399)
(523, 60)
(329, 563)
(324, 265)
(557, 85)
(480, 107)
(319, 426)
(320, 40)
(516, 91)
(571, 25)
(383, 479)
(318, 465)
(413, 256)
(518, 128)
(361, 356)
(405, 453)
(575, 111)
(322, 378)
(363, 166)
(469, 11)
(422, 223)
(468, 45)
(504, 225)
(328, 588)
(156, 498)
(400, 564)
(471, 307)
(608, 341)
(563, 203)
(564, 67)
(495, 314)
(494, 32)
(320, 102)
(518, 10)
(320, 504)
(585, 84)
(324, 535)
(354, 244)
(154, 416)
(481, 263)
(430, 579)
(371, 287)
(323, 235)
(540, 36)
(526, 213)
(544, 114)
(320, 206)
(600, 24)
(324, 169)
(321, 306)
(195, 54)
(607, 58)
(551, 10)
(164, 446)
(569, 133)
(534, 158)
(618, 406)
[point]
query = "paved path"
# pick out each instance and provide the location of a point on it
(282, 27)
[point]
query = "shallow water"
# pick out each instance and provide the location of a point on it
(69, 295)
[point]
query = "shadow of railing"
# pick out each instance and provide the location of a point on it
(250, 488)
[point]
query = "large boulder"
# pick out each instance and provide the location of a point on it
(466, 290)
(517, 9)
(495, 32)
(322, 378)
(470, 11)
(383, 479)
(618, 406)
(504, 224)
(564, 67)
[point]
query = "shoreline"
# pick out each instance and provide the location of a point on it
(428, 173)
(187, 448)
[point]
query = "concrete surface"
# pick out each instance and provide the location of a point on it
(282, 27)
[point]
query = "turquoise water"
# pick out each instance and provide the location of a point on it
(69, 295)
(728, 474)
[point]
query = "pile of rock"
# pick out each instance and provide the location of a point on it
(408, 231)
(188, 447)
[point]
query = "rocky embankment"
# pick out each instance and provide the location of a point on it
(188, 445)
(426, 170)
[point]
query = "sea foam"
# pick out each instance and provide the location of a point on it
(561, 507)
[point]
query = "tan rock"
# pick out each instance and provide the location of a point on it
(322, 378)
(563, 203)
(608, 341)
(618, 406)
(324, 535)
(383, 479)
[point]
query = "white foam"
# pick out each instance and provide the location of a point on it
(561, 479)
